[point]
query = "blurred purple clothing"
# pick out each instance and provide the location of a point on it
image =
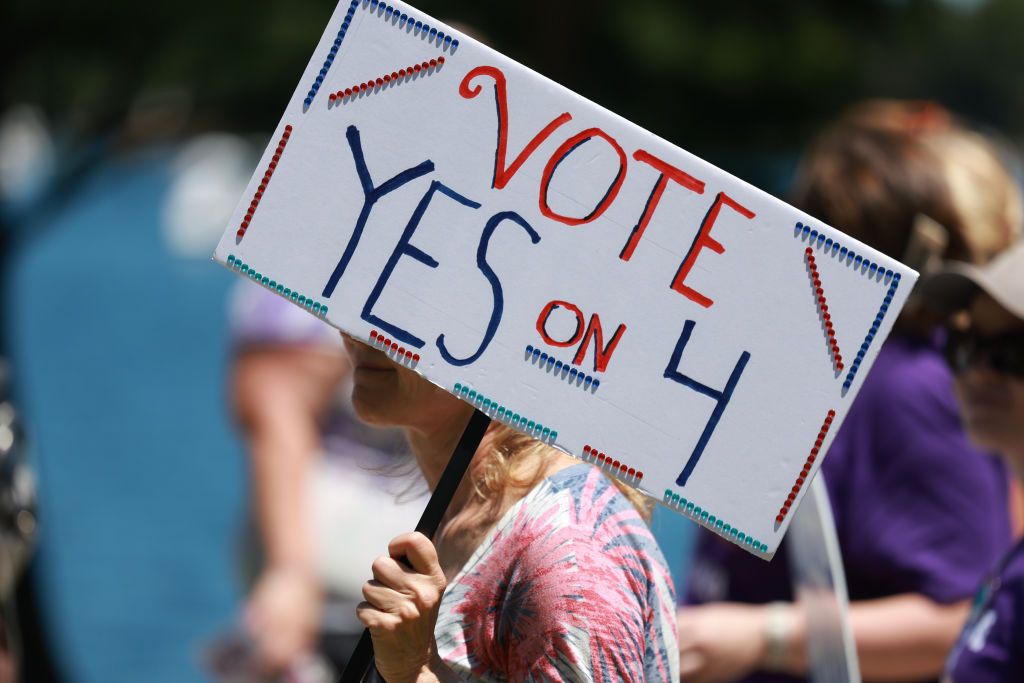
(260, 318)
(917, 508)
(991, 647)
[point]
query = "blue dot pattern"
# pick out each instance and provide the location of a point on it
(389, 14)
(866, 267)
(346, 22)
(560, 370)
(409, 24)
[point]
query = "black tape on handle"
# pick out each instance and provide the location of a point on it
(361, 662)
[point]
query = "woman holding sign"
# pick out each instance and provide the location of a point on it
(543, 568)
(986, 351)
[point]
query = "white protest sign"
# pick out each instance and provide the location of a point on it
(564, 270)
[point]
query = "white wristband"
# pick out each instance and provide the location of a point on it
(778, 628)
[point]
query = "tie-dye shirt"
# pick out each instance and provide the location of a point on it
(569, 586)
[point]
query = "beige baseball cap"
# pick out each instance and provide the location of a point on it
(951, 288)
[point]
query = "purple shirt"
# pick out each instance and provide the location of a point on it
(917, 508)
(991, 647)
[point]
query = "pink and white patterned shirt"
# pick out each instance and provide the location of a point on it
(570, 585)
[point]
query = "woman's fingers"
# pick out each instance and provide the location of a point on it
(375, 619)
(401, 606)
(416, 580)
(391, 572)
(400, 590)
(419, 551)
(389, 600)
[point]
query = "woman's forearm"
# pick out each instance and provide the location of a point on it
(279, 394)
(281, 451)
(905, 637)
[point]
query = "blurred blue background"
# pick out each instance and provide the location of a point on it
(120, 348)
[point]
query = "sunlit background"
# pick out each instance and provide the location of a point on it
(128, 131)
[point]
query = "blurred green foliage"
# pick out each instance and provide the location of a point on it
(715, 77)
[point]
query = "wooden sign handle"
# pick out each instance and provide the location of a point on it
(361, 662)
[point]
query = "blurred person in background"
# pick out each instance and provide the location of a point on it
(976, 168)
(982, 173)
(325, 488)
(920, 513)
(985, 349)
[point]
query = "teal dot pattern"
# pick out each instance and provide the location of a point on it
(496, 410)
(705, 517)
(315, 307)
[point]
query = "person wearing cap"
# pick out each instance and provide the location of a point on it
(985, 349)
(920, 513)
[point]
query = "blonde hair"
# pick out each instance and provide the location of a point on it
(509, 464)
(984, 192)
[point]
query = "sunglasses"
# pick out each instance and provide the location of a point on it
(1003, 353)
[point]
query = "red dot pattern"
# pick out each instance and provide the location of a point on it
(837, 358)
(608, 463)
(398, 353)
(274, 161)
(806, 471)
(393, 78)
